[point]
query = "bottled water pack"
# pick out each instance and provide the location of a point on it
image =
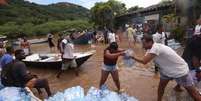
(95, 94)
(14, 94)
(71, 94)
(173, 44)
(128, 61)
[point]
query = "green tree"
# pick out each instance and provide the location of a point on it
(103, 13)
(135, 8)
(10, 29)
(118, 8)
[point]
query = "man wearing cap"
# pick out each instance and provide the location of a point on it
(67, 50)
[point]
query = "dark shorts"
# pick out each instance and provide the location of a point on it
(184, 81)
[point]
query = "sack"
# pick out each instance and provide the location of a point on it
(7, 78)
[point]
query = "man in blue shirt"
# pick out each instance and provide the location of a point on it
(7, 57)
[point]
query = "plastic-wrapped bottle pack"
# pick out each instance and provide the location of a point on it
(59, 96)
(93, 94)
(173, 44)
(14, 94)
(128, 61)
(71, 94)
(74, 94)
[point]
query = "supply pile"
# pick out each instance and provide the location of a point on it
(173, 44)
(16, 94)
(94, 94)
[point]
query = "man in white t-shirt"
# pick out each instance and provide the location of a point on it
(198, 28)
(112, 37)
(159, 36)
(68, 59)
(172, 67)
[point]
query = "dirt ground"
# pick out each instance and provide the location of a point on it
(139, 81)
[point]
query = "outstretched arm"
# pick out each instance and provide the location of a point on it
(121, 50)
(146, 59)
(113, 55)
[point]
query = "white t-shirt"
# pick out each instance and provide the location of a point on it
(112, 37)
(163, 38)
(197, 30)
(170, 63)
(68, 50)
(159, 38)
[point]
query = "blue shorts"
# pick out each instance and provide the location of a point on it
(109, 68)
(185, 81)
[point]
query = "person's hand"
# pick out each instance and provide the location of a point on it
(122, 53)
(132, 57)
(122, 50)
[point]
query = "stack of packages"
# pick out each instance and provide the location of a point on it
(71, 94)
(173, 44)
(77, 94)
(128, 61)
(17, 94)
(106, 95)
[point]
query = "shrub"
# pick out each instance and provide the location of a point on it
(178, 34)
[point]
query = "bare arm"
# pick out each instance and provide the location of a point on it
(113, 55)
(146, 59)
(121, 50)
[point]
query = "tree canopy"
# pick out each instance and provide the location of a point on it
(21, 12)
(12, 30)
(22, 17)
(103, 13)
(135, 8)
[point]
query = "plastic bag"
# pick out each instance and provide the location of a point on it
(74, 94)
(127, 59)
(14, 94)
(103, 94)
(94, 94)
(173, 44)
(71, 94)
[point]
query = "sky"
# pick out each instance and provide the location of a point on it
(90, 3)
